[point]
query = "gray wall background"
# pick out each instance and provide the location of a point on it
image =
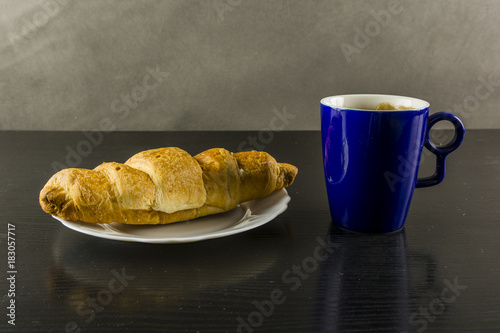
(237, 64)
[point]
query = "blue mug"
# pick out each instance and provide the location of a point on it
(371, 157)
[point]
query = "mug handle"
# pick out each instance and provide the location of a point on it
(441, 152)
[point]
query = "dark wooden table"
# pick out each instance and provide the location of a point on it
(298, 273)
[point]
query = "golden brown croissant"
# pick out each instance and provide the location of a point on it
(164, 185)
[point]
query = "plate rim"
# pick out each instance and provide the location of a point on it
(281, 205)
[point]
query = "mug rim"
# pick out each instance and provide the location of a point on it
(337, 102)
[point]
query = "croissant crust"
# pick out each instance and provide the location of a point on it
(164, 185)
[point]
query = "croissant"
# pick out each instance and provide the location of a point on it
(164, 185)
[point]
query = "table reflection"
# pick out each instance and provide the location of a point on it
(366, 283)
(161, 277)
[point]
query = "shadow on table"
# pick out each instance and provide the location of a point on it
(366, 283)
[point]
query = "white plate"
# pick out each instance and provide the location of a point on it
(246, 216)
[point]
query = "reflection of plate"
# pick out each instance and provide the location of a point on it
(246, 216)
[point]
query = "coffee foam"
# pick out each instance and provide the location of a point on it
(386, 106)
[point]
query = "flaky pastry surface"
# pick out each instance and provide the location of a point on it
(164, 185)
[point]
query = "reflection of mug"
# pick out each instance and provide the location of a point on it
(371, 283)
(365, 287)
(371, 157)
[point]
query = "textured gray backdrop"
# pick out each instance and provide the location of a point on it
(239, 64)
